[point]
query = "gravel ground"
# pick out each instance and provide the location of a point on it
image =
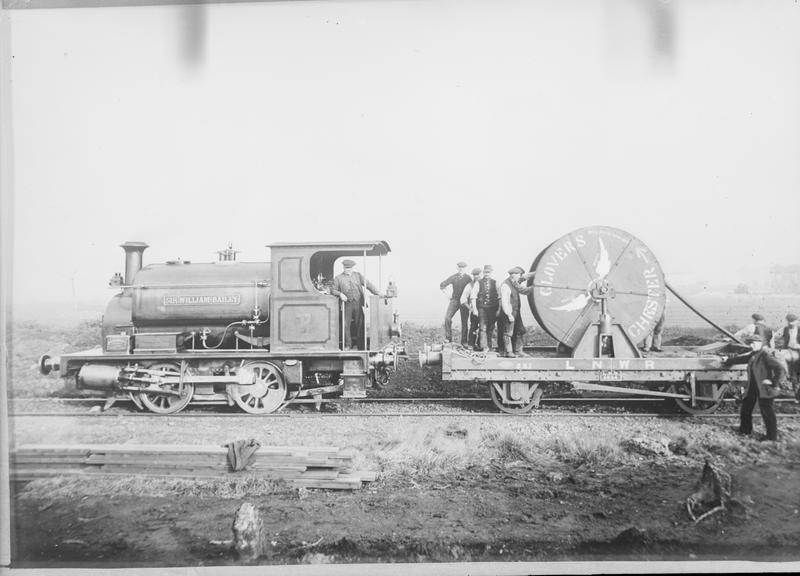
(453, 488)
(458, 487)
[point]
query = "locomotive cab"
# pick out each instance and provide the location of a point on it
(306, 315)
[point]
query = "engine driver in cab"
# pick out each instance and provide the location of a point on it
(349, 287)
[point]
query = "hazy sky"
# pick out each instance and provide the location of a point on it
(475, 130)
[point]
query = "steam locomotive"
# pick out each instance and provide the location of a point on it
(253, 334)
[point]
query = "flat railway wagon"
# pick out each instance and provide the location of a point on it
(598, 291)
(253, 334)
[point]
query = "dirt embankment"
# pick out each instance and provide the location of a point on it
(450, 489)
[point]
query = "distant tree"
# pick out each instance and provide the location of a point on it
(741, 289)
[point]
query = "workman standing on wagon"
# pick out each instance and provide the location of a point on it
(509, 321)
(458, 281)
(653, 339)
(468, 302)
(349, 287)
(486, 299)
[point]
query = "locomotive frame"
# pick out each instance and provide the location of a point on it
(162, 362)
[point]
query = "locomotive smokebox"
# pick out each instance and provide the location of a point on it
(133, 259)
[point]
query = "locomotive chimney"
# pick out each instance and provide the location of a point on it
(133, 259)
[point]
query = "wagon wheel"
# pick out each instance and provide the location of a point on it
(167, 403)
(267, 392)
(703, 389)
(515, 397)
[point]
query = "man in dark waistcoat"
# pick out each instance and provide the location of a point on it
(791, 333)
(756, 335)
(509, 320)
(349, 287)
(457, 281)
(757, 328)
(486, 301)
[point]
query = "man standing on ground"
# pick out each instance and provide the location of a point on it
(458, 281)
(349, 287)
(765, 372)
(487, 300)
(510, 320)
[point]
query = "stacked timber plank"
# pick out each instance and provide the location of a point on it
(302, 466)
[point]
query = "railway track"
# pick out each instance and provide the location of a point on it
(295, 414)
(529, 415)
(587, 407)
(432, 400)
(308, 415)
(566, 399)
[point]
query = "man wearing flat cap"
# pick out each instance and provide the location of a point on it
(469, 303)
(791, 335)
(767, 372)
(458, 281)
(349, 288)
(487, 300)
(757, 328)
(791, 341)
(510, 319)
(767, 376)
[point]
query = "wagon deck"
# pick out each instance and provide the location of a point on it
(695, 377)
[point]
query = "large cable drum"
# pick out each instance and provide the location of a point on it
(594, 270)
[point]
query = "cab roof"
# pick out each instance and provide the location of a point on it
(370, 247)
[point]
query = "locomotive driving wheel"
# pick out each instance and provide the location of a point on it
(265, 394)
(170, 402)
(515, 397)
